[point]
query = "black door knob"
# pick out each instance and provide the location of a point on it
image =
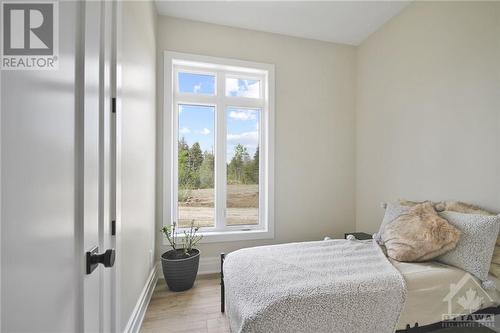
(94, 258)
(107, 258)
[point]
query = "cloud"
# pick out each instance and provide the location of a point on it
(197, 88)
(245, 138)
(253, 90)
(248, 139)
(232, 87)
(184, 130)
(243, 88)
(205, 131)
(242, 115)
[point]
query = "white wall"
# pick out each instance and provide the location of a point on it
(428, 108)
(40, 270)
(138, 148)
(314, 160)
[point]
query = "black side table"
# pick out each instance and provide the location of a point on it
(359, 235)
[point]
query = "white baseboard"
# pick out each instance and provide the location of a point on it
(209, 265)
(135, 321)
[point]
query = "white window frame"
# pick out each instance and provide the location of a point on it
(175, 62)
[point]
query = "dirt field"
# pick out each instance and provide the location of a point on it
(242, 206)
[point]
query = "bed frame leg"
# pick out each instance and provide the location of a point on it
(222, 296)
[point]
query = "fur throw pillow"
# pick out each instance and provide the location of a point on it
(409, 203)
(419, 235)
(460, 207)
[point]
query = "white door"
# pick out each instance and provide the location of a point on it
(55, 173)
(42, 254)
(95, 138)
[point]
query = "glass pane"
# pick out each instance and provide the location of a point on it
(196, 83)
(242, 158)
(196, 165)
(242, 88)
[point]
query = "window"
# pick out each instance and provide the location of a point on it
(219, 172)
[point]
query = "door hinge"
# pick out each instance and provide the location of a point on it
(113, 104)
(113, 228)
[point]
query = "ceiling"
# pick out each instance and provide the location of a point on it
(347, 22)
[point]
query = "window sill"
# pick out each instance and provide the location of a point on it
(231, 236)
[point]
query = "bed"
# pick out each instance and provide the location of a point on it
(428, 286)
(427, 291)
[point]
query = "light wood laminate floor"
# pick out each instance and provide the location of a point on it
(195, 310)
(198, 310)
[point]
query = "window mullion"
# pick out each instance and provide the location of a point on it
(246, 102)
(194, 99)
(175, 164)
(220, 159)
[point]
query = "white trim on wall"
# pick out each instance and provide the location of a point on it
(209, 265)
(135, 321)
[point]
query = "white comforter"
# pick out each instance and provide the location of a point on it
(324, 286)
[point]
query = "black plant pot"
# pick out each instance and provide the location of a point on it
(180, 272)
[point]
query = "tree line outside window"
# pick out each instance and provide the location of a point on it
(196, 168)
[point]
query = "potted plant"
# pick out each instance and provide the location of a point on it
(180, 265)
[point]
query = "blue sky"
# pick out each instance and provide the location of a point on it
(197, 83)
(205, 84)
(197, 123)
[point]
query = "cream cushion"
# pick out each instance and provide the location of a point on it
(419, 235)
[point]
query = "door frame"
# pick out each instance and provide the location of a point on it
(106, 163)
(116, 154)
(109, 166)
(79, 109)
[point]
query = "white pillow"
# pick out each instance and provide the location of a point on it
(475, 247)
(392, 211)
